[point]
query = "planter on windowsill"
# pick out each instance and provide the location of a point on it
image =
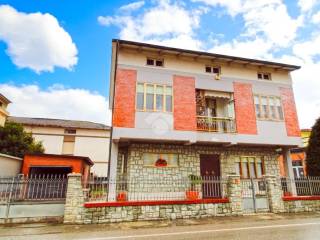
(161, 163)
(287, 194)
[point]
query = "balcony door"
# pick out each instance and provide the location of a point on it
(210, 173)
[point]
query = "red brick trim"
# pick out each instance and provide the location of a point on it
(153, 203)
(290, 113)
(244, 109)
(125, 98)
(306, 198)
(184, 107)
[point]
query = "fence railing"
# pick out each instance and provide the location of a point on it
(157, 189)
(304, 186)
(33, 188)
(216, 124)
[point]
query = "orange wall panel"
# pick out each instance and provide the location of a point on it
(125, 98)
(244, 108)
(184, 112)
(29, 161)
(290, 113)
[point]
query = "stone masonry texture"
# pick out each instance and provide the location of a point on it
(290, 113)
(125, 98)
(244, 108)
(184, 107)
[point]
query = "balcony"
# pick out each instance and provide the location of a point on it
(216, 124)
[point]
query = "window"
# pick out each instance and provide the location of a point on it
(155, 62)
(68, 145)
(264, 76)
(268, 107)
(70, 131)
(161, 160)
(249, 167)
(154, 97)
(213, 69)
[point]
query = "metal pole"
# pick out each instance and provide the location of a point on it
(9, 199)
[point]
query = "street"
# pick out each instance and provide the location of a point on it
(261, 227)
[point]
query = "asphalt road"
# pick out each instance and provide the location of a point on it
(262, 227)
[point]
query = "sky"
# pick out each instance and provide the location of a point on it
(55, 56)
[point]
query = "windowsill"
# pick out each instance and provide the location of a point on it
(269, 120)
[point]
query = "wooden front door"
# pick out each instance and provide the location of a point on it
(210, 173)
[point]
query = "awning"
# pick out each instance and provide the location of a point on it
(216, 94)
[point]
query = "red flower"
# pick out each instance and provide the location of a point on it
(161, 163)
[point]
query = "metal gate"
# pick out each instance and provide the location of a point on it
(254, 195)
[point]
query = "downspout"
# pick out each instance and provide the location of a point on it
(114, 92)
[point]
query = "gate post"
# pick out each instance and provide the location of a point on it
(274, 194)
(75, 199)
(234, 194)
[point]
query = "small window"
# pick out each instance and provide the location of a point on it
(268, 107)
(155, 62)
(150, 61)
(249, 167)
(159, 63)
(161, 159)
(213, 69)
(70, 131)
(264, 76)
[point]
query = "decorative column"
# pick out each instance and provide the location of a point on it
(73, 208)
(274, 194)
(289, 171)
(234, 194)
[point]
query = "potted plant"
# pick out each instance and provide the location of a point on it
(287, 194)
(122, 196)
(192, 193)
(161, 163)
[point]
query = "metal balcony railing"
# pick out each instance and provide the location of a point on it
(216, 124)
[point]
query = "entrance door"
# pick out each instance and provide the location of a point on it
(210, 173)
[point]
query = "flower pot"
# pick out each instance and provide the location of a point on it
(122, 197)
(192, 195)
(287, 194)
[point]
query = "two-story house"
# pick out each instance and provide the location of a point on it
(177, 113)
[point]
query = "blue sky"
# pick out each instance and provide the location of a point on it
(55, 57)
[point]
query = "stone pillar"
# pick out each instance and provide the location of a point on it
(234, 194)
(274, 194)
(289, 171)
(73, 208)
(113, 172)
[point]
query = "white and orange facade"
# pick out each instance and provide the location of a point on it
(203, 113)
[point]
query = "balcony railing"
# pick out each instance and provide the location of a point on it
(216, 124)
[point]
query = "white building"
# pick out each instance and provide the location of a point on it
(79, 138)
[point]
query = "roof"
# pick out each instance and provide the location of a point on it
(4, 99)
(86, 159)
(48, 122)
(192, 53)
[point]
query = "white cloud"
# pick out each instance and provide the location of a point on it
(56, 102)
(316, 18)
(132, 6)
(165, 23)
(36, 40)
(307, 5)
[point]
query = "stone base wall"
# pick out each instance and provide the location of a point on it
(302, 206)
(157, 212)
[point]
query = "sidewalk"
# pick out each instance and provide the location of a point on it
(114, 231)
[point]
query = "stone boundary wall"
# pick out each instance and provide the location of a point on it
(157, 212)
(296, 206)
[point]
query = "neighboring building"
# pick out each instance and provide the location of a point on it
(4, 102)
(298, 156)
(10, 166)
(178, 113)
(69, 137)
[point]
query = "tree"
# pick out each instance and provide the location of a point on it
(313, 151)
(17, 142)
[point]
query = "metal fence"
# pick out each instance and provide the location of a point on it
(304, 186)
(216, 124)
(157, 189)
(33, 188)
